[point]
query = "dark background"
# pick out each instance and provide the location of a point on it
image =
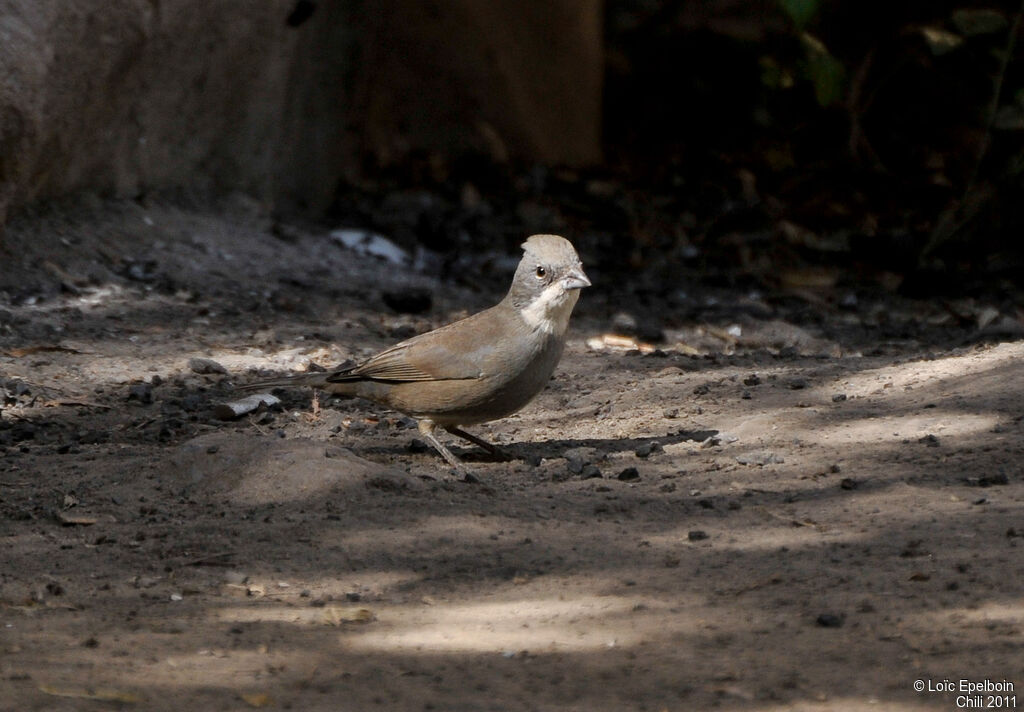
(787, 143)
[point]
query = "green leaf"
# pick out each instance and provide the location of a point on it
(799, 11)
(826, 73)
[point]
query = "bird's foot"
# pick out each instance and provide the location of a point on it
(495, 451)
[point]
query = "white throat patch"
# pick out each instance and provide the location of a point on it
(550, 311)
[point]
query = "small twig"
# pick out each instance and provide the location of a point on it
(856, 107)
(997, 94)
(73, 402)
(959, 213)
(253, 423)
(210, 559)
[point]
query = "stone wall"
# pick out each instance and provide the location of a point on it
(124, 96)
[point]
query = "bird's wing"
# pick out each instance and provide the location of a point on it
(458, 351)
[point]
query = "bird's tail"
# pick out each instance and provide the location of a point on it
(316, 379)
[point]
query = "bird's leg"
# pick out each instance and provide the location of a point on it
(494, 450)
(426, 428)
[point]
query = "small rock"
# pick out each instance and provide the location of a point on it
(369, 243)
(590, 472)
(670, 413)
(90, 642)
(830, 620)
(205, 365)
(848, 483)
(582, 454)
(629, 474)
(838, 397)
(647, 449)
(417, 446)
(929, 440)
(752, 380)
(142, 392)
(798, 384)
(697, 535)
(760, 458)
(236, 409)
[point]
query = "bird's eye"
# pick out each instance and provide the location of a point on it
(541, 272)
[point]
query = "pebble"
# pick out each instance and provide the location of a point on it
(590, 472)
(697, 535)
(417, 446)
(205, 365)
(830, 620)
(629, 474)
(838, 397)
(760, 458)
(647, 449)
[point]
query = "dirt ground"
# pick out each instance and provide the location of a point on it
(787, 506)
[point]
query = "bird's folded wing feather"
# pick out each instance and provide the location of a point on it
(435, 356)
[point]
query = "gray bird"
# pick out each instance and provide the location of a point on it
(481, 368)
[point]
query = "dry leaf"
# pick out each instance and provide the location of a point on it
(337, 615)
(619, 343)
(256, 699)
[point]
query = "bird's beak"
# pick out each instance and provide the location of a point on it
(576, 279)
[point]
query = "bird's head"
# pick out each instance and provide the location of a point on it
(547, 282)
